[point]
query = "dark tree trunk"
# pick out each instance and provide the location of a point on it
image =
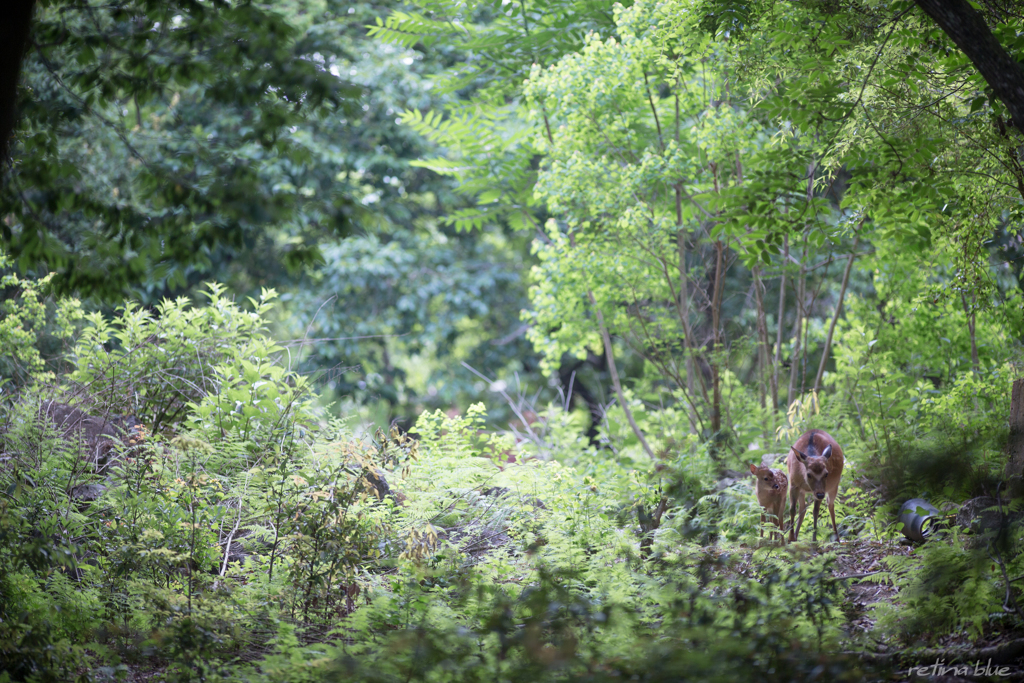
(14, 29)
(572, 385)
(763, 366)
(967, 28)
(835, 317)
(716, 341)
(779, 324)
(1015, 447)
(794, 368)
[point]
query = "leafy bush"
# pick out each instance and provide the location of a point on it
(253, 495)
(33, 327)
(44, 617)
(159, 365)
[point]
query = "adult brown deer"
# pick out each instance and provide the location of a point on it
(815, 465)
(771, 490)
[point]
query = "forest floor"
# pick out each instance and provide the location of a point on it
(857, 560)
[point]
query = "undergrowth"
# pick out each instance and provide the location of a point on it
(236, 533)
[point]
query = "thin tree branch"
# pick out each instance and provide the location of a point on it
(613, 371)
(839, 309)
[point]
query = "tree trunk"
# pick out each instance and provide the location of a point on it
(801, 293)
(762, 337)
(684, 307)
(969, 312)
(684, 294)
(1015, 445)
(794, 367)
(716, 311)
(967, 28)
(839, 309)
(778, 332)
(14, 32)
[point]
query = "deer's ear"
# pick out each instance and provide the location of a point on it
(827, 453)
(803, 456)
(753, 470)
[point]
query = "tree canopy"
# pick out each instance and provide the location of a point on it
(158, 138)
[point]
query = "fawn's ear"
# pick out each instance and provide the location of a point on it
(827, 453)
(753, 470)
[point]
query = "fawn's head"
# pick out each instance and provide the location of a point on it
(817, 468)
(768, 480)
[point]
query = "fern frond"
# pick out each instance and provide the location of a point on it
(442, 166)
(465, 220)
(881, 577)
(407, 29)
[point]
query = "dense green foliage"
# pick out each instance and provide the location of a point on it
(660, 240)
(157, 138)
(247, 537)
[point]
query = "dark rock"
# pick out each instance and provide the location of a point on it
(726, 482)
(377, 480)
(496, 491)
(96, 437)
(982, 513)
(236, 553)
(87, 492)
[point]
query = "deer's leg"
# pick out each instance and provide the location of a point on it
(761, 530)
(832, 511)
(800, 520)
(792, 515)
(817, 506)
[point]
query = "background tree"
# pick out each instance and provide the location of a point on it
(968, 29)
(155, 137)
(162, 149)
(13, 37)
(393, 309)
(680, 186)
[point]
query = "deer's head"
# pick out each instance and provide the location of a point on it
(817, 468)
